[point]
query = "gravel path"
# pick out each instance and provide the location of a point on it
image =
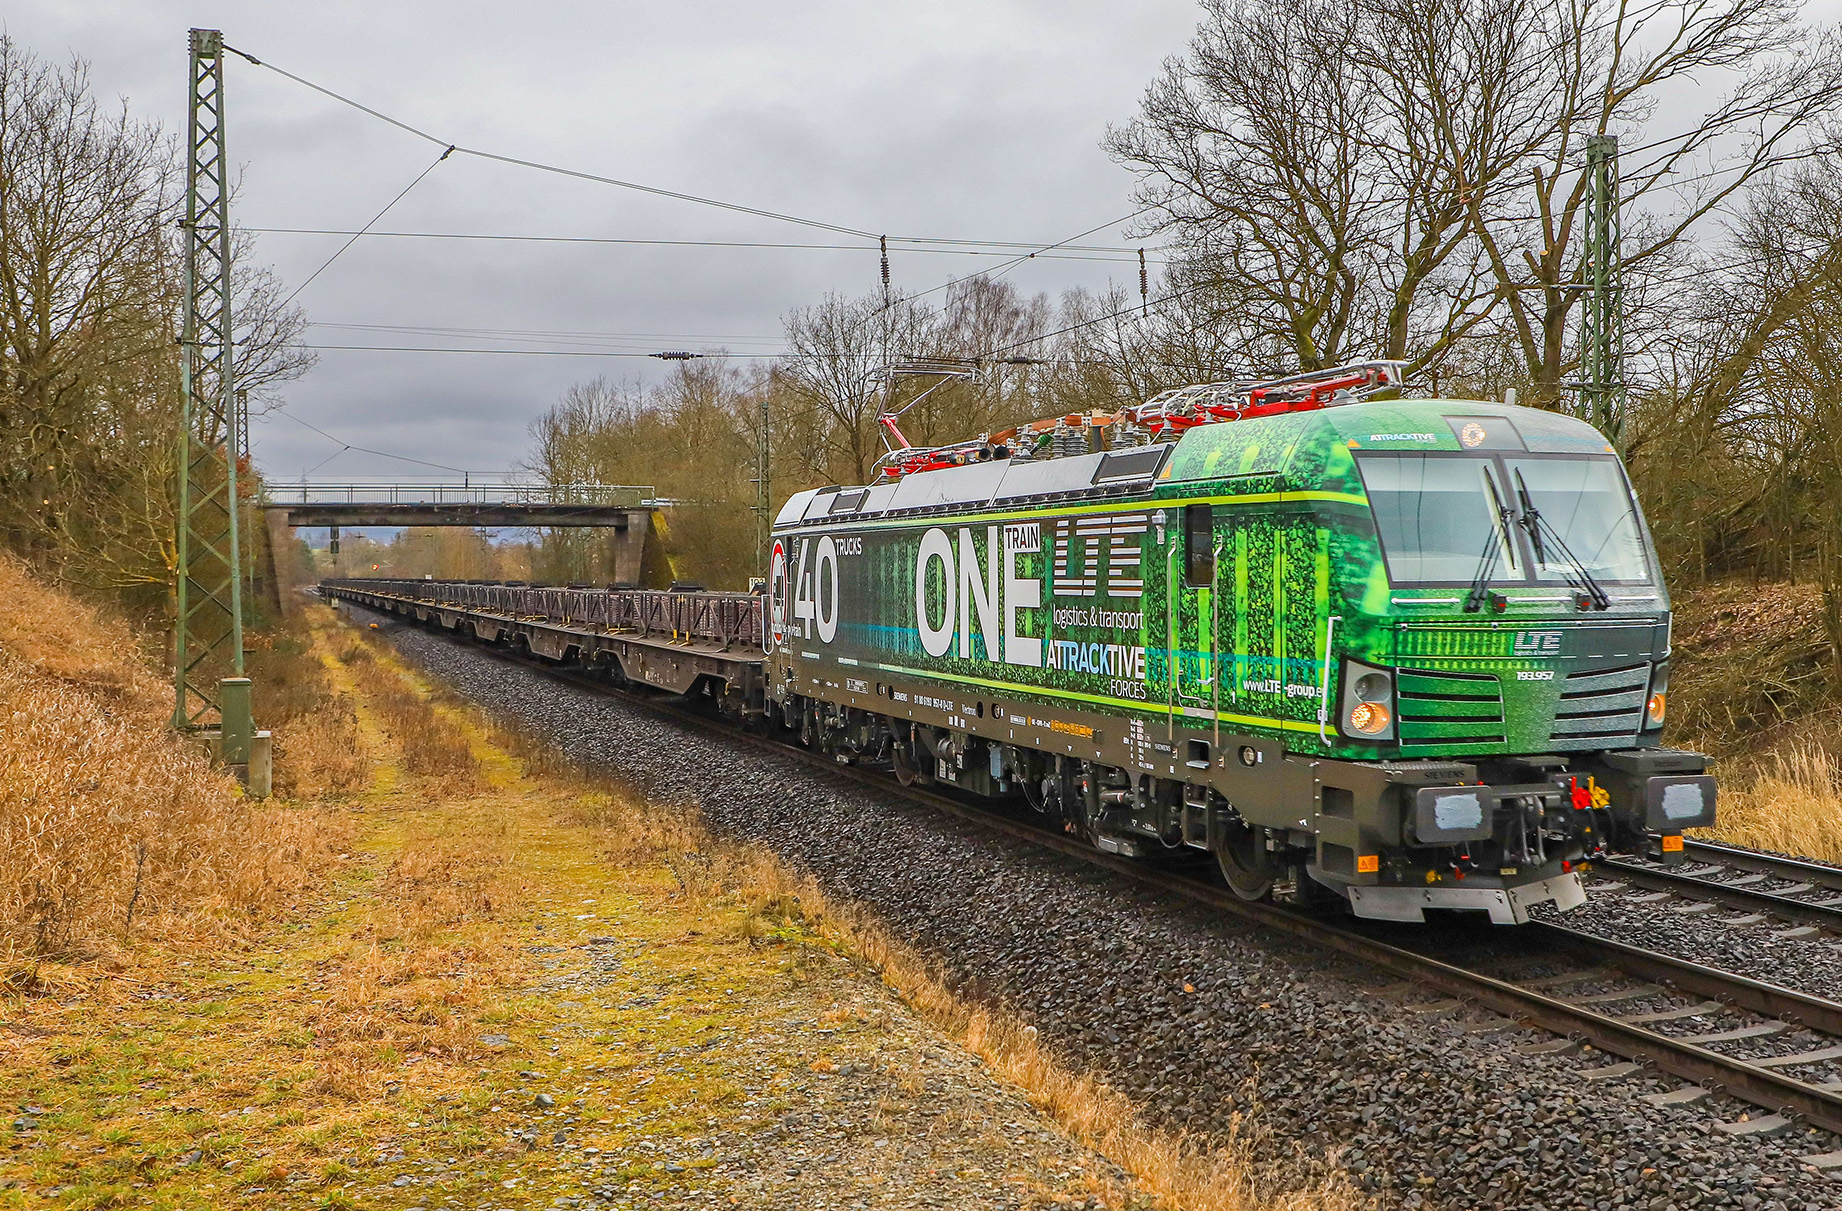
(1196, 1017)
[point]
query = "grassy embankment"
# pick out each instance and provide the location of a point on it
(111, 828)
(1750, 684)
(302, 1002)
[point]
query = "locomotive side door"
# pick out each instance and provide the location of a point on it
(1195, 606)
(1246, 608)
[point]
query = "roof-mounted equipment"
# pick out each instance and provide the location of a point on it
(1162, 418)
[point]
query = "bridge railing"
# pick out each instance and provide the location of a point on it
(733, 620)
(466, 492)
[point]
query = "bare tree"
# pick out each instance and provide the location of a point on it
(1253, 152)
(1652, 74)
(1732, 443)
(269, 330)
(992, 329)
(1101, 358)
(693, 438)
(1402, 177)
(89, 307)
(1314, 161)
(828, 377)
(1777, 398)
(1110, 349)
(586, 437)
(87, 363)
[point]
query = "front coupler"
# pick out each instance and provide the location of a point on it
(1653, 795)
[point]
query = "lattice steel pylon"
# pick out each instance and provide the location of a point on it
(1602, 334)
(208, 619)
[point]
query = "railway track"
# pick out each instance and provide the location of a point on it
(1760, 886)
(1643, 1006)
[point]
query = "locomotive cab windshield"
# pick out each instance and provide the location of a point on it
(1448, 517)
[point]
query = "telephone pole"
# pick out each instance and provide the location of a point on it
(1602, 344)
(209, 689)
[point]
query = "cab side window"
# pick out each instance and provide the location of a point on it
(1198, 546)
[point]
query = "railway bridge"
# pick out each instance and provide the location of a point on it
(626, 512)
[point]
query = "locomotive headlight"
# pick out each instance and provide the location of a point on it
(1657, 702)
(1368, 718)
(1367, 704)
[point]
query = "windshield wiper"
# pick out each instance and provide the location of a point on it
(1543, 536)
(1494, 546)
(1487, 562)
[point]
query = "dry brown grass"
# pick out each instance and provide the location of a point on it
(319, 753)
(1790, 801)
(431, 744)
(431, 950)
(412, 980)
(377, 1007)
(438, 882)
(1750, 683)
(77, 645)
(111, 825)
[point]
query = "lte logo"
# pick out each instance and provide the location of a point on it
(1538, 643)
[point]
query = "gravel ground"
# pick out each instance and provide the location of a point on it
(1196, 1017)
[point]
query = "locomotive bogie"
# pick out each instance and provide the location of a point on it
(1347, 825)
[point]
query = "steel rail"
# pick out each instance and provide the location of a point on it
(1765, 864)
(1705, 888)
(1816, 1105)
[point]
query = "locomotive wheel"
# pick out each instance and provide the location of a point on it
(1244, 864)
(905, 773)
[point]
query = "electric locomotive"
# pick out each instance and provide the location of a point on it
(1409, 652)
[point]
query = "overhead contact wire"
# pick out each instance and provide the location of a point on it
(357, 235)
(535, 352)
(345, 445)
(659, 191)
(540, 166)
(997, 271)
(1066, 252)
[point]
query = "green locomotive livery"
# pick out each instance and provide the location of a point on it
(1412, 652)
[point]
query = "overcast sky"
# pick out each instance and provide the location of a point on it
(969, 120)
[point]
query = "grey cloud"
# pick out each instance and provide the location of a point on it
(958, 118)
